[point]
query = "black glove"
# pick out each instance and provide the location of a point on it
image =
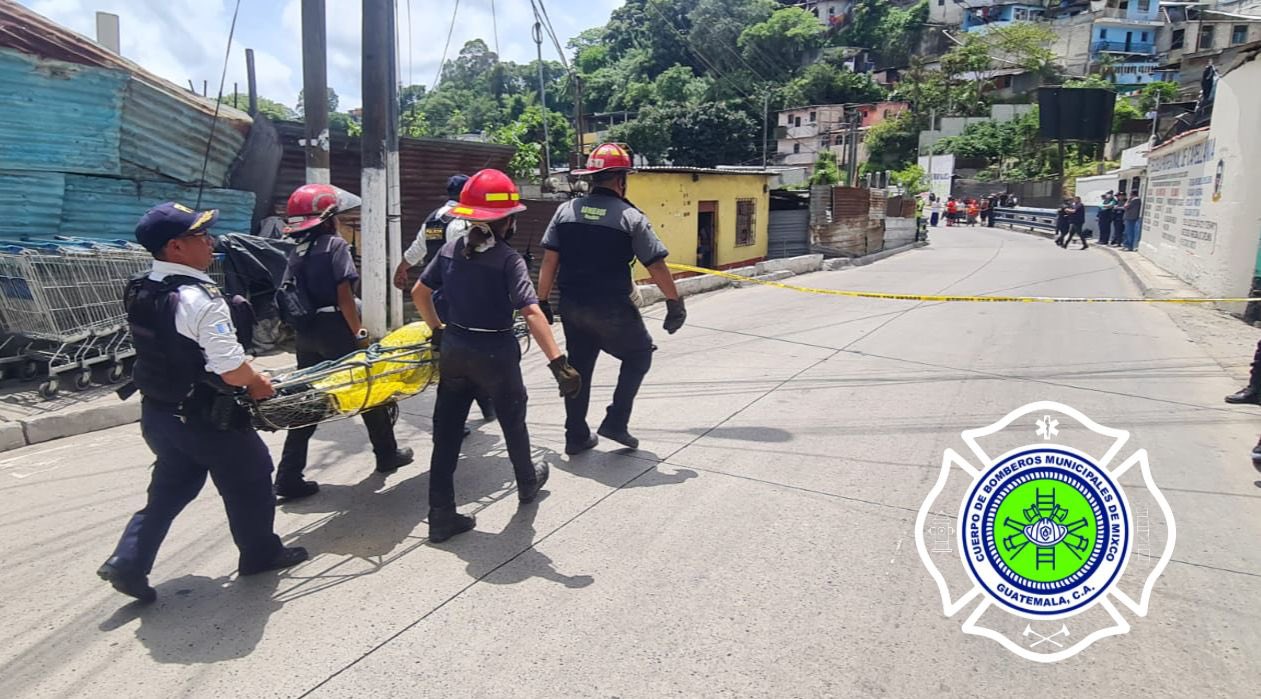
(546, 306)
(435, 340)
(567, 376)
(675, 315)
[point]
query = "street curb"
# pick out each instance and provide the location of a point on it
(45, 428)
(1143, 287)
(73, 422)
(877, 256)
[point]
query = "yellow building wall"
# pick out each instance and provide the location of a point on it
(672, 203)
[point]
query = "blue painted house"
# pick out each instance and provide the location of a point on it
(988, 15)
(1123, 41)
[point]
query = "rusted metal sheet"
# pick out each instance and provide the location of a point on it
(36, 35)
(167, 138)
(850, 202)
(58, 117)
(876, 209)
(106, 207)
(425, 164)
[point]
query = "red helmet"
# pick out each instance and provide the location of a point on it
(313, 204)
(608, 157)
(488, 196)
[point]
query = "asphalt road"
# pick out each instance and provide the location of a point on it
(761, 543)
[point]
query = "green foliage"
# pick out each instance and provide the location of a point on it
(269, 108)
(1092, 80)
(894, 142)
(828, 83)
(1123, 112)
(892, 31)
(826, 170)
(1167, 91)
(1024, 45)
(786, 38)
(912, 179)
(647, 136)
(333, 101)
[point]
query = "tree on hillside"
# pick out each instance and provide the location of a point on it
(891, 31)
(716, 29)
(828, 83)
(785, 39)
(333, 101)
(269, 108)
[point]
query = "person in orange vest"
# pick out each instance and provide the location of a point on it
(952, 211)
(973, 212)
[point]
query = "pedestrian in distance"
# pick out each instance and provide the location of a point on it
(974, 212)
(934, 211)
(1076, 222)
(591, 244)
(439, 228)
(1118, 220)
(1061, 221)
(322, 272)
(1133, 210)
(952, 211)
(992, 207)
(188, 366)
(484, 281)
(1104, 217)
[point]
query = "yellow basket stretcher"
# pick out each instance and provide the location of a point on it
(400, 366)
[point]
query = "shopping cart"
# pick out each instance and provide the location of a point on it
(399, 366)
(61, 307)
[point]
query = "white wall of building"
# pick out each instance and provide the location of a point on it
(1202, 216)
(940, 174)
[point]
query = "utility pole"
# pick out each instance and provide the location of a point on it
(394, 203)
(252, 81)
(932, 145)
(315, 90)
(853, 148)
(377, 49)
(579, 126)
(766, 116)
(547, 140)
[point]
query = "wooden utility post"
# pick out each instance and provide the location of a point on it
(252, 82)
(315, 91)
(378, 46)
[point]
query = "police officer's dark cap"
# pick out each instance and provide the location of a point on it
(455, 185)
(166, 222)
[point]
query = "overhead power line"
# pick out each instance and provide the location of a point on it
(454, 14)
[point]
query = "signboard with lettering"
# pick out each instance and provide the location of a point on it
(1181, 183)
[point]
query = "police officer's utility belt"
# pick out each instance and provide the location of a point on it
(479, 330)
(208, 406)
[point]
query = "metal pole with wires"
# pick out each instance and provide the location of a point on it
(377, 49)
(547, 145)
(315, 91)
(214, 120)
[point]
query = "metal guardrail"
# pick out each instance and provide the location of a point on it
(1132, 48)
(1022, 217)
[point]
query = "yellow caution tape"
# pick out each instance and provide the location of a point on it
(935, 297)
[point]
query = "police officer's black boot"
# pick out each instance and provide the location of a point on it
(527, 492)
(393, 462)
(1256, 456)
(621, 436)
(573, 448)
(445, 522)
(1247, 394)
(286, 558)
(137, 584)
(291, 485)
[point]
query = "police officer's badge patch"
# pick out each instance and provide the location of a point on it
(1047, 538)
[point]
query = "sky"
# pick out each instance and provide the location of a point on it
(184, 40)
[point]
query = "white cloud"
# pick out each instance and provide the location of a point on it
(185, 39)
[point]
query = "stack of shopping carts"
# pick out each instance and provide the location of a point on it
(61, 308)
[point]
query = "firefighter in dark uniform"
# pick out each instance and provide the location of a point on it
(322, 267)
(590, 246)
(187, 361)
(439, 228)
(484, 281)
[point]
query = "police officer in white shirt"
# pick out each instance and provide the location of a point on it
(187, 362)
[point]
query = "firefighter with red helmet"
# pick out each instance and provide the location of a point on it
(483, 282)
(590, 246)
(323, 275)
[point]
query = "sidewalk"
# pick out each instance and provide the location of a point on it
(28, 418)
